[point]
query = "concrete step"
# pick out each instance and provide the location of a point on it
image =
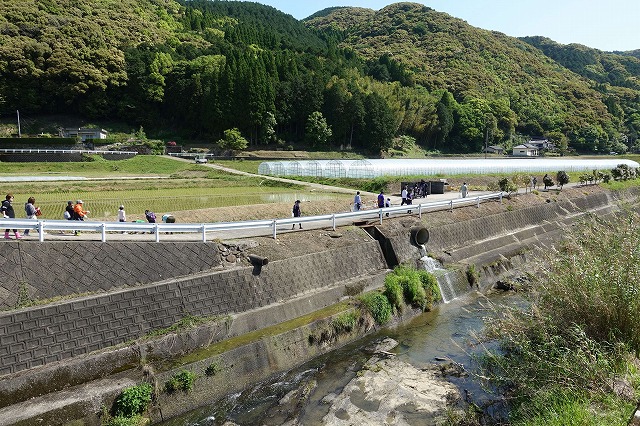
(65, 406)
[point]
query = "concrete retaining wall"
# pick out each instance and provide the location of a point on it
(54, 269)
(37, 336)
(459, 235)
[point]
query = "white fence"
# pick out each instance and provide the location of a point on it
(254, 227)
(61, 151)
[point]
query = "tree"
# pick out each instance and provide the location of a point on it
(507, 185)
(317, 131)
(379, 123)
(233, 140)
(444, 109)
(563, 178)
(404, 143)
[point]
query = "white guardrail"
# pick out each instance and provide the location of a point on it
(258, 227)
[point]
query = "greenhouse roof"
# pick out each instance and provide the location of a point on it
(429, 167)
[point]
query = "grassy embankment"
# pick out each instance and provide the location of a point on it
(571, 356)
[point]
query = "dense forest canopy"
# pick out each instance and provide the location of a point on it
(201, 67)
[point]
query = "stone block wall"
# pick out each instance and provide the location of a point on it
(36, 336)
(459, 234)
(53, 269)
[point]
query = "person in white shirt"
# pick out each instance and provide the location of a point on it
(122, 215)
(357, 202)
(464, 190)
(404, 196)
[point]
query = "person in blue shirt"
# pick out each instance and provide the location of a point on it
(381, 199)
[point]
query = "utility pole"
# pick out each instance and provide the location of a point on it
(486, 142)
(19, 133)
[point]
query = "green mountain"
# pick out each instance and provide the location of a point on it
(546, 94)
(343, 77)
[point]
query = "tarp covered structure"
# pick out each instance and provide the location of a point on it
(430, 167)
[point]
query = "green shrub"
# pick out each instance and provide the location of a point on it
(133, 400)
(431, 288)
(412, 289)
(125, 421)
(182, 380)
(345, 322)
(414, 293)
(394, 292)
(473, 276)
(212, 369)
(378, 306)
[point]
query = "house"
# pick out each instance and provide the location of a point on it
(494, 149)
(541, 144)
(83, 133)
(526, 150)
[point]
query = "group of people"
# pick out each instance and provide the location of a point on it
(31, 212)
(71, 212)
(381, 201)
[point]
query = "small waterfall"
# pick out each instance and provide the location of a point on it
(452, 284)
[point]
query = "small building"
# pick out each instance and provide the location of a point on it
(83, 133)
(542, 144)
(525, 150)
(494, 149)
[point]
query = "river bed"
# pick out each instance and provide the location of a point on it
(301, 396)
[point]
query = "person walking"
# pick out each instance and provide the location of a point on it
(404, 194)
(464, 190)
(381, 200)
(31, 211)
(357, 202)
(79, 213)
(9, 213)
(122, 215)
(68, 211)
(151, 216)
(296, 213)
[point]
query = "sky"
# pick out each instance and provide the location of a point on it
(609, 25)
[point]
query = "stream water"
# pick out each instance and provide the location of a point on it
(442, 335)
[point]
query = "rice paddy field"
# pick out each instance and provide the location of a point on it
(155, 183)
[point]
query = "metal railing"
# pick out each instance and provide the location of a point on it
(257, 227)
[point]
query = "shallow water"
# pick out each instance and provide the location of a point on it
(442, 335)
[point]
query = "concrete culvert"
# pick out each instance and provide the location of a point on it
(419, 235)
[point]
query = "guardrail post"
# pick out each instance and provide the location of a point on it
(103, 228)
(41, 231)
(478, 205)
(451, 205)
(333, 221)
(380, 216)
(501, 197)
(204, 233)
(157, 233)
(274, 229)
(420, 211)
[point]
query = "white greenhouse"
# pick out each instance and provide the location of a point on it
(429, 167)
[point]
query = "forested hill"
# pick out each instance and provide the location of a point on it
(544, 94)
(200, 67)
